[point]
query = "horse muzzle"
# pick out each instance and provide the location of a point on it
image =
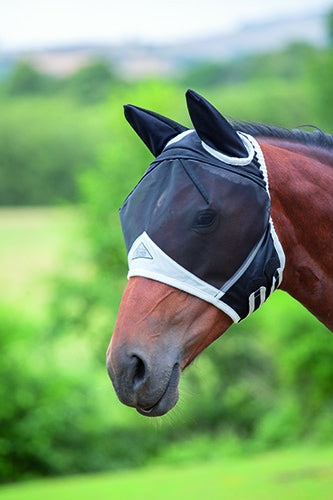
(158, 332)
(148, 385)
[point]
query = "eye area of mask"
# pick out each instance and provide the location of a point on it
(205, 221)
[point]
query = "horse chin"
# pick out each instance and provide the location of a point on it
(168, 399)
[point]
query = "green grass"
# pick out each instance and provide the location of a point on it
(301, 473)
(33, 246)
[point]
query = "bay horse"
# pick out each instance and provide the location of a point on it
(225, 214)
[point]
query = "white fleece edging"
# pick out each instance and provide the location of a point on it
(158, 266)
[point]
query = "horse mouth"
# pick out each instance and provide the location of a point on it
(168, 399)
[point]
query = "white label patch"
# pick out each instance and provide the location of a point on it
(141, 252)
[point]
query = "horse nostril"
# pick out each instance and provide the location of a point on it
(139, 371)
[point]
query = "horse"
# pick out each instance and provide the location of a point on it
(225, 214)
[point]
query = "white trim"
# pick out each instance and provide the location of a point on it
(260, 293)
(280, 252)
(276, 241)
(261, 159)
(230, 160)
(179, 137)
(164, 269)
(241, 270)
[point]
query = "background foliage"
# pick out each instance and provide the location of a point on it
(267, 382)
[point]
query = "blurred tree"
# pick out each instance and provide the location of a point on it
(239, 383)
(92, 83)
(24, 79)
(289, 63)
(44, 145)
(321, 71)
(52, 419)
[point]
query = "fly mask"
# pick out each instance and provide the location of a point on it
(199, 219)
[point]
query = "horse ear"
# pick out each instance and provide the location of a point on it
(155, 130)
(213, 128)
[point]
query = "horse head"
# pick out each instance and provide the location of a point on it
(202, 250)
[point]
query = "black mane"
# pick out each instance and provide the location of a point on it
(316, 138)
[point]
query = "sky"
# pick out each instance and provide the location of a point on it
(28, 24)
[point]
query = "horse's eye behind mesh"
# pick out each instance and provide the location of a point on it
(205, 221)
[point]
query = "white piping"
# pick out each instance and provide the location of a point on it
(160, 267)
(230, 160)
(179, 137)
(276, 241)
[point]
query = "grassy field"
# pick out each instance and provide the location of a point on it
(33, 245)
(297, 474)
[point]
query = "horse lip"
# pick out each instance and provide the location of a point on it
(168, 399)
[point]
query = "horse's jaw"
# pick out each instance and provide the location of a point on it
(159, 331)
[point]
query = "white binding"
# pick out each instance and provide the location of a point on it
(164, 269)
(179, 137)
(276, 241)
(231, 160)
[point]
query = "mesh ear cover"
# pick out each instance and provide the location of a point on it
(155, 130)
(213, 128)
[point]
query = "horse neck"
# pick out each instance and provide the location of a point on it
(301, 186)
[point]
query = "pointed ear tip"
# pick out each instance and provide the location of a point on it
(130, 111)
(192, 94)
(128, 116)
(127, 108)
